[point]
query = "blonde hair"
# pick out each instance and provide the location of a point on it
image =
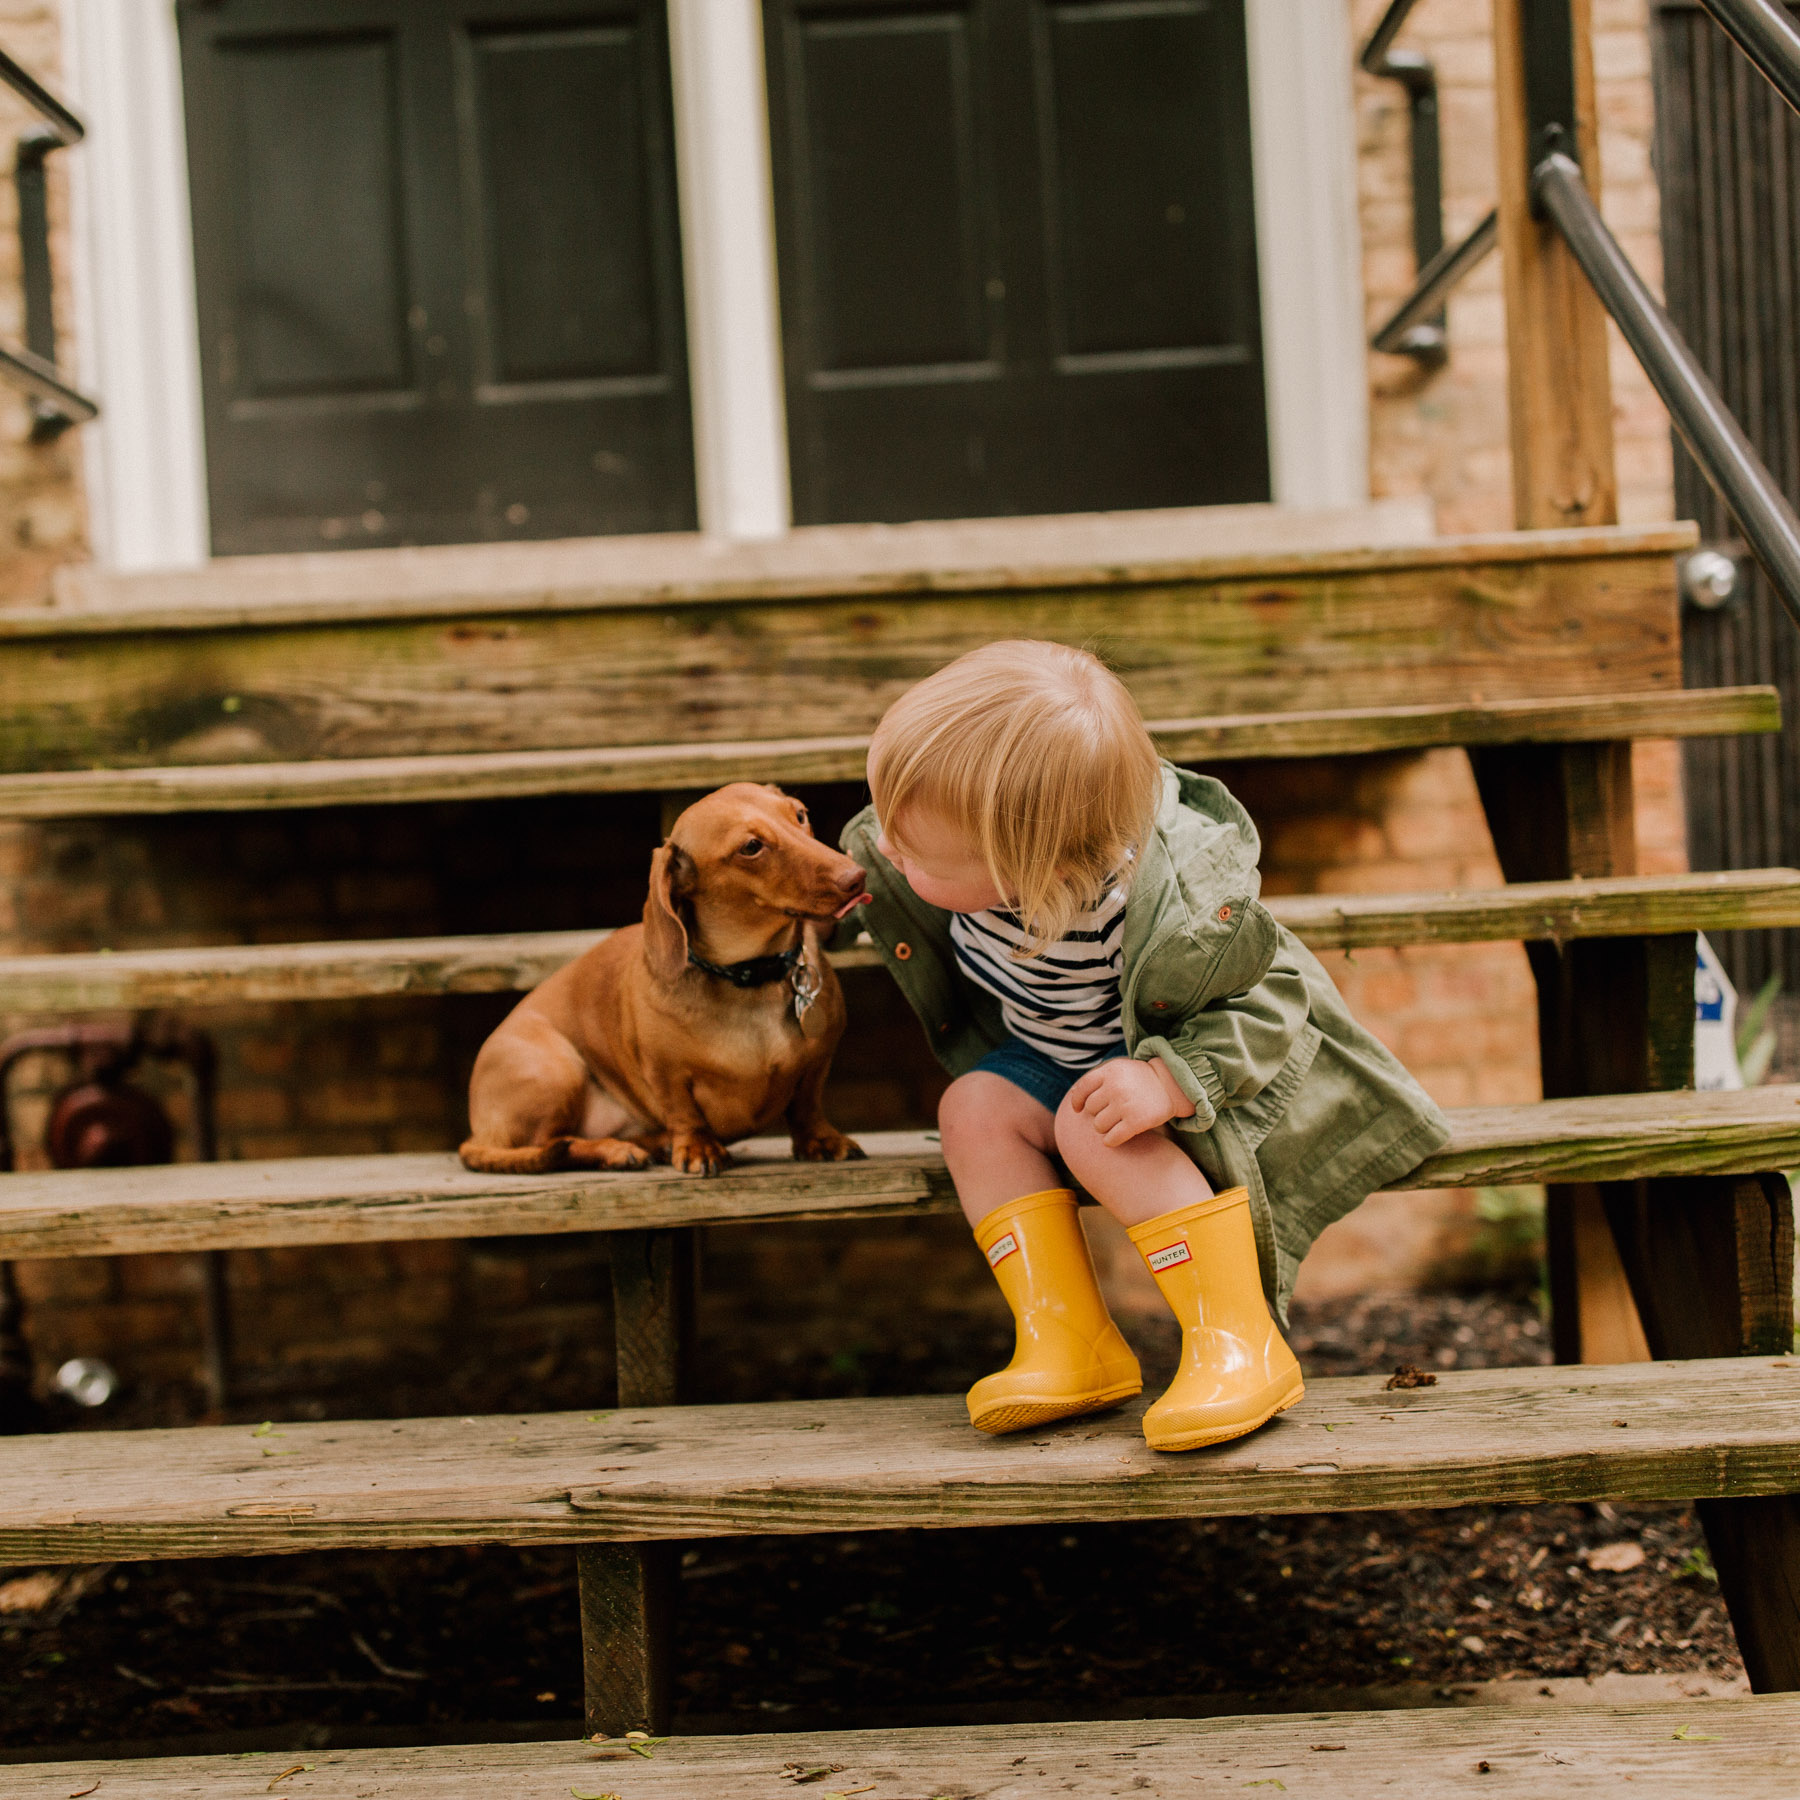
(1040, 755)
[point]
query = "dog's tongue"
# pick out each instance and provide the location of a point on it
(850, 906)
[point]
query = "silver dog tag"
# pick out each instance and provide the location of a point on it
(805, 979)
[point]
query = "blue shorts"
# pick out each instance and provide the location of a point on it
(1042, 1077)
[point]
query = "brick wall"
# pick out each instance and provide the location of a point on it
(388, 1075)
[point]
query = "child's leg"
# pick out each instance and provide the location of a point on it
(1068, 1356)
(998, 1142)
(1236, 1372)
(1134, 1181)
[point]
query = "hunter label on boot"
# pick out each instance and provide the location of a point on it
(1177, 1252)
(1000, 1249)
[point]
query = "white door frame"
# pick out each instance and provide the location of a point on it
(138, 337)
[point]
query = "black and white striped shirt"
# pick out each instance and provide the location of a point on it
(1065, 1000)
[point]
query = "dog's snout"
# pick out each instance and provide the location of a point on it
(849, 880)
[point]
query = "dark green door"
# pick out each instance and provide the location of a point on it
(1018, 256)
(438, 269)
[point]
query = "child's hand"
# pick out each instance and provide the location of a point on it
(1125, 1098)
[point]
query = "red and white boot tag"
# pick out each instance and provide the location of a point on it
(1169, 1257)
(1001, 1248)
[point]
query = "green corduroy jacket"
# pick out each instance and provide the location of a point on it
(1292, 1098)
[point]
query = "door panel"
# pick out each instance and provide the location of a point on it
(1018, 259)
(319, 297)
(438, 270)
(891, 243)
(572, 257)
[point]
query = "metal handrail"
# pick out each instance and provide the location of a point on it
(1436, 280)
(1719, 445)
(1424, 337)
(56, 403)
(1375, 51)
(68, 128)
(1765, 34)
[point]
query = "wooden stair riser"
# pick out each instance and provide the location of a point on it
(1451, 622)
(1636, 1433)
(378, 1199)
(1550, 912)
(1588, 1752)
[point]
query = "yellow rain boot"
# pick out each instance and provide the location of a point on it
(1068, 1356)
(1236, 1370)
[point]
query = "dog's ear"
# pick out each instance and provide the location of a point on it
(665, 933)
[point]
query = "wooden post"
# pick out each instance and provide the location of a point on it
(1559, 389)
(1615, 1015)
(628, 1590)
(1712, 1264)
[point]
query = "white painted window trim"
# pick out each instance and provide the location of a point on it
(728, 264)
(1309, 250)
(138, 338)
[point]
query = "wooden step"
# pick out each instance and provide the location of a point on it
(491, 775)
(371, 1199)
(1628, 1433)
(568, 649)
(1621, 906)
(1742, 1746)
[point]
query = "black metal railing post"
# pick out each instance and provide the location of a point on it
(1423, 334)
(56, 403)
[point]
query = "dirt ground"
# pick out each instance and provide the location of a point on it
(901, 1627)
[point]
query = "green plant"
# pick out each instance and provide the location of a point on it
(1756, 1036)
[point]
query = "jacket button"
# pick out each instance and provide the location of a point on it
(1159, 1006)
(1224, 914)
(902, 952)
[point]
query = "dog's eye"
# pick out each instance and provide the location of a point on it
(802, 817)
(751, 847)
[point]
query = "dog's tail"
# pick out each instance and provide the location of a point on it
(525, 1159)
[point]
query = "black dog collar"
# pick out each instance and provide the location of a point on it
(756, 971)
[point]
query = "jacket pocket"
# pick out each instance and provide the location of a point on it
(1256, 1118)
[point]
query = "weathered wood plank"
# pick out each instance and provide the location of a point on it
(1711, 1264)
(997, 555)
(1744, 1747)
(1428, 627)
(259, 785)
(1486, 1437)
(628, 1591)
(373, 1199)
(1559, 385)
(1645, 905)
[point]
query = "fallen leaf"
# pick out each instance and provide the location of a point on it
(1616, 1558)
(1482, 1768)
(1331, 1746)
(297, 1769)
(29, 1593)
(1406, 1376)
(547, 1695)
(868, 1787)
(1271, 1782)
(800, 1773)
(82, 1793)
(267, 1429)
(1688, 1735)
(579, 1795)
(1475, 1646)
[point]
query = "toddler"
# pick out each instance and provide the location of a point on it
(1076, 924)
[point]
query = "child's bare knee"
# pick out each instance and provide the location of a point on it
(978, 1107)
(1077, 1140)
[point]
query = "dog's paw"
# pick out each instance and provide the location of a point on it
(699, 1155)
(607, 1153)
(828, 1145)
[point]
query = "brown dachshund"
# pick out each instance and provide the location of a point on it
(709, 1022)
